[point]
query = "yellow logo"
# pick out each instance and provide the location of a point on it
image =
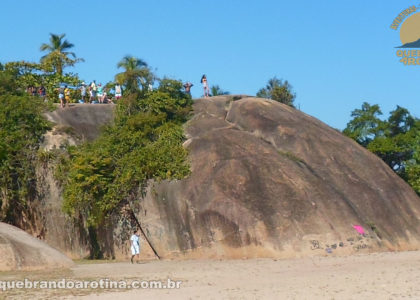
(409, 19)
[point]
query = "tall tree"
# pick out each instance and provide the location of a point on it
(395, 140)
(278, 90)
(58, 56)
(136, 73)
(365, 125)
(400, 121)
(413, 167)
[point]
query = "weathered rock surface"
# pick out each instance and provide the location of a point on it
(85, 119)
(74, 124)
(20, 251)
(269, 180)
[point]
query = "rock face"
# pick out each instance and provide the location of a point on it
(21, 251)
(74, 124)
(85, 119)
(269, 180)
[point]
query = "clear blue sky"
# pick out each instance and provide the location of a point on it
(336, 54)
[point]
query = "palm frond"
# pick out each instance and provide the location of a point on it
(45, 47)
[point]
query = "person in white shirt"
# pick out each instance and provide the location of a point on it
(118, 91)
(135, 245)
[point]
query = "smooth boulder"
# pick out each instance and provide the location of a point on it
(21, 251)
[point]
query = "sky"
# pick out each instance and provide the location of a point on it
(335, 54)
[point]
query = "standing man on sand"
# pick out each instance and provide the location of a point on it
(135, 245)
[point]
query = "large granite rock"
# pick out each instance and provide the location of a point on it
(20, 251)
(269, 180)
(85, 120)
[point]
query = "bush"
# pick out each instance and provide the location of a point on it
(144, 143)
(21, 130)
(278, 90)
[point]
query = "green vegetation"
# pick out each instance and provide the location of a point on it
(373, 227)
(278, 90)
(291, 156)
(413, 168)
(136, 73)
(215, 90)
(21, 130)
(98, 178)
(58, 56)
(144, 143)
(16, 77)
(395, 140)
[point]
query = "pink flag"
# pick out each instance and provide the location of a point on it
(359, 229)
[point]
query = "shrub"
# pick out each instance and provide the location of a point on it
(144, 143)
(21, 130)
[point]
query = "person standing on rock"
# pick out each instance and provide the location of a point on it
(100, 93)
(92, 89)
(83, 91)
(118, 91)
(67, 95)
(135, 245)
(42, 92)
(61, 96)
(188, 87)
(205, 86)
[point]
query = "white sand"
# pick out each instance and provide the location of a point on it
(366, 276)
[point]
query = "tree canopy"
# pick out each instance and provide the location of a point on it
(216, 90)
(21, 130)
(17, 76)
(145, 142)
(366, 124)
(136, 74)
(278, 90)
(395, 140)
(58, 56)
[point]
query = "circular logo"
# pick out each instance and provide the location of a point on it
(410, 32)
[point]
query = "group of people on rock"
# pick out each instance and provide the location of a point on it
(96, 93)
(64, 95)
(36, 91)
(92, 93)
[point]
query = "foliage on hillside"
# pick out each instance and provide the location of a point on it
(145, 142)
(216, 90)
(278, 90)
(21, 130)
(17, 76)
(395, 140)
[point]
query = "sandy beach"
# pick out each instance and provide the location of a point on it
(368, 276)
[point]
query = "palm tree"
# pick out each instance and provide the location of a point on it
(217, 91)
(58, 55)
(136, 72)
